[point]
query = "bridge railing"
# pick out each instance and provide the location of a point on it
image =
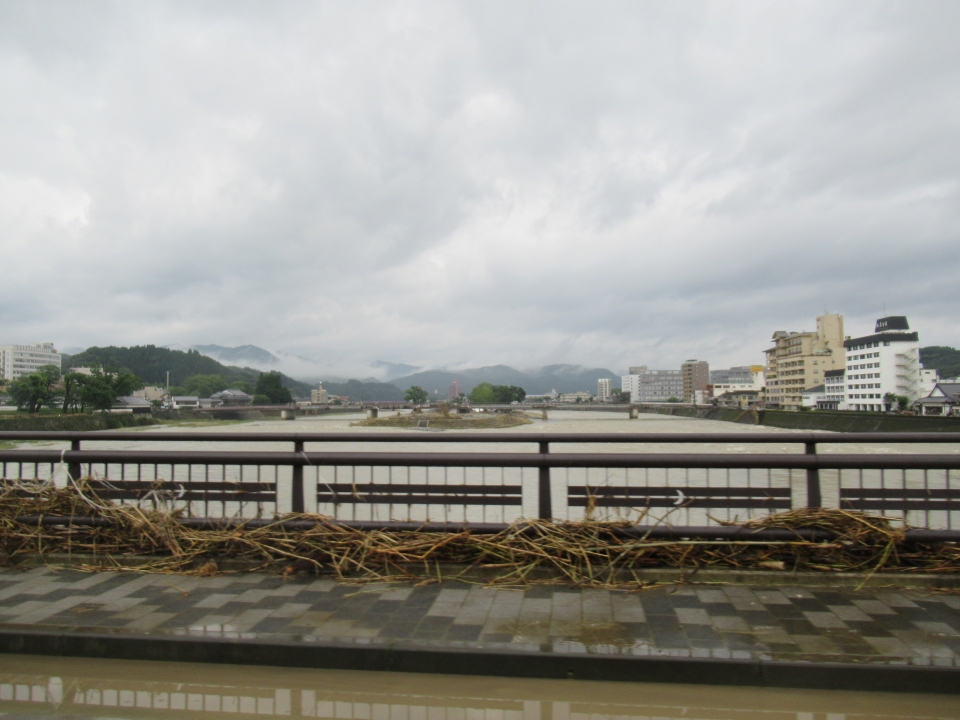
(700, 488)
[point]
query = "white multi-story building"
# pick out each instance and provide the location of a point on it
(652, 385)
(886, 362)
(813, 397)
(579, 396)
(740, 375)
(603, 389)
(19, 360)
(928, 381)
(833, 393)
(736, 381)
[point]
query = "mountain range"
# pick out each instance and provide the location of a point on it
(247, 355)
(151, 364)
(562, 378)
(395, 370)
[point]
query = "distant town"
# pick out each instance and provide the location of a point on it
(818, 370)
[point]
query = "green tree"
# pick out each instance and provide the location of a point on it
(946, 360)
(261, 400)
(486, 394)
(417, 395)
(100, 389)
(270, 384)
(72, 385)
(507, 394)
(124, 382)
(903, 402)
(204, 385)
(97, 391)
(482, 394)
(889, 399)
(33, 391)
(673, 399)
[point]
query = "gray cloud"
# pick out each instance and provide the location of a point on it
(478, 182)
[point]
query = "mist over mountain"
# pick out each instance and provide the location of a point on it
(249, 355)
(562, 378)
(394, 370)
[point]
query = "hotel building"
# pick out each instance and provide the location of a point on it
(886, 362)
(799, 360)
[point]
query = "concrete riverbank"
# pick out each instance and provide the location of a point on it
(813, 420)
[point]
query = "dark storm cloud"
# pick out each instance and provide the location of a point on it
(523, 183)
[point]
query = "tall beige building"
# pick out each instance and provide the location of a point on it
(696, 376)
(798, 360)
(319, 396)
(603, 389)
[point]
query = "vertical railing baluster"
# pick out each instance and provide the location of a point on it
(73, 468)
(296, 487)
(813, 479)
(544, 498)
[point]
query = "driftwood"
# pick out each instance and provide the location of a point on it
(586, 553)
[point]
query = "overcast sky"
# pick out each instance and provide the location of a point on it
(441, 183)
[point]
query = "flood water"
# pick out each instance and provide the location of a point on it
(69, 687)
(317, 478)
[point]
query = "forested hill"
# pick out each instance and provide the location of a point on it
(151, 364)
(945, 360)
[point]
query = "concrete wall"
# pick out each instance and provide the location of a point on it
(815, 420)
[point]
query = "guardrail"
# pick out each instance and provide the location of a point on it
(691, 489)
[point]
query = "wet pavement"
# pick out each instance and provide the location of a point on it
(719, 622)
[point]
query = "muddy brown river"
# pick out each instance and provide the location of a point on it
(37, 687)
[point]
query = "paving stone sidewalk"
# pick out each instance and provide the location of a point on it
(884, 626)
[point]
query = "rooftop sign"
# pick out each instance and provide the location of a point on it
(893, 322)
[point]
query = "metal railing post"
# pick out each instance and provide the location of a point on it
(545, 500)
(813, 479)
(296, 489)
(73, 469)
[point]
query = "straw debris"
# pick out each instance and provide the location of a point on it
(590, 554)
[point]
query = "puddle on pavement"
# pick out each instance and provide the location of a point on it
(32, 686)
(594, 636)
